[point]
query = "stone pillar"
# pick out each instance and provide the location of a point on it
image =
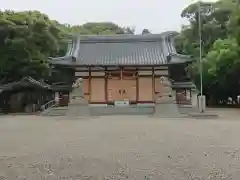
(56, 96)
(166, 95)
(188, 94)
(77, 106)
(166, 105)
(174, 98)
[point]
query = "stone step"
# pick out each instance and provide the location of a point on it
(188, 109)
(78, 110)
(56, 111)
(159, 110)
(98, 111)
(167, 110)
(129, 110)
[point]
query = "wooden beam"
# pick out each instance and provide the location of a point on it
(143, 66)
(114, 68)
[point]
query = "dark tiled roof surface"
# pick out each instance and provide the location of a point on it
(187, 84)
(30, 82)
(122, 53)
(119, 50)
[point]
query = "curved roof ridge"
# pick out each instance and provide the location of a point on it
(125, 37)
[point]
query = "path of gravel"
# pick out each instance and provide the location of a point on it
(130, 147)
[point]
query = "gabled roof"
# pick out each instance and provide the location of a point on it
(150, 49)
(187, 84)
(26, 81)
(30, 82)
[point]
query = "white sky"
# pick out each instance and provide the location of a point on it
(155, 15)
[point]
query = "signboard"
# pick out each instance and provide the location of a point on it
(121, 103)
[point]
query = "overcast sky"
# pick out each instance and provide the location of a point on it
(156, 15)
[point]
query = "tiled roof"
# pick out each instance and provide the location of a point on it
(187, 84)
(122, 53)
(119, 50)
(26, 81)
(30, 82)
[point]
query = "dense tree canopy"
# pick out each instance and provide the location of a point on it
(220, 23)
(28, 38)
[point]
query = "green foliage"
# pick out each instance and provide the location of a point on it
(145, 31)
(220, 29)
(28, 38)
(104, 28)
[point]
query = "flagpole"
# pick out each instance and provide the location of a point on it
(200, 55)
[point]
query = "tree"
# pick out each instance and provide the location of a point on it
(220, 25)
(129, 30)
(145, 31)
(221, 68)
(28, 38)
(214, 25)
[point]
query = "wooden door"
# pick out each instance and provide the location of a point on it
(114, 90)
(145, 89)
(128, 90)
(98, 90)
(64, 99)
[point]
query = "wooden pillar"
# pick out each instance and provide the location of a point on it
(89, 84)
(121, 78)
(121, 73)
(169, 72)
(153, 84)
(137, 85)
(106, 85)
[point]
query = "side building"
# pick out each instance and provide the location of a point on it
(129, 69)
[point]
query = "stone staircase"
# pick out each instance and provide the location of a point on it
(99, 111)
(127, 110)
(166, 110)
(55, 111)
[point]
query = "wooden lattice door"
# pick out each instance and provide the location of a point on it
(128, 90)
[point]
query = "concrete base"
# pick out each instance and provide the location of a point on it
(204, 115)
(167, 110)
(193, 112)
(77, 107)
(202, 103)
(78, 110)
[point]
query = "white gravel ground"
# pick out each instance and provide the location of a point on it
(120, 147)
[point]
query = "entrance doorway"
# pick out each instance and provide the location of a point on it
(122, 86)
